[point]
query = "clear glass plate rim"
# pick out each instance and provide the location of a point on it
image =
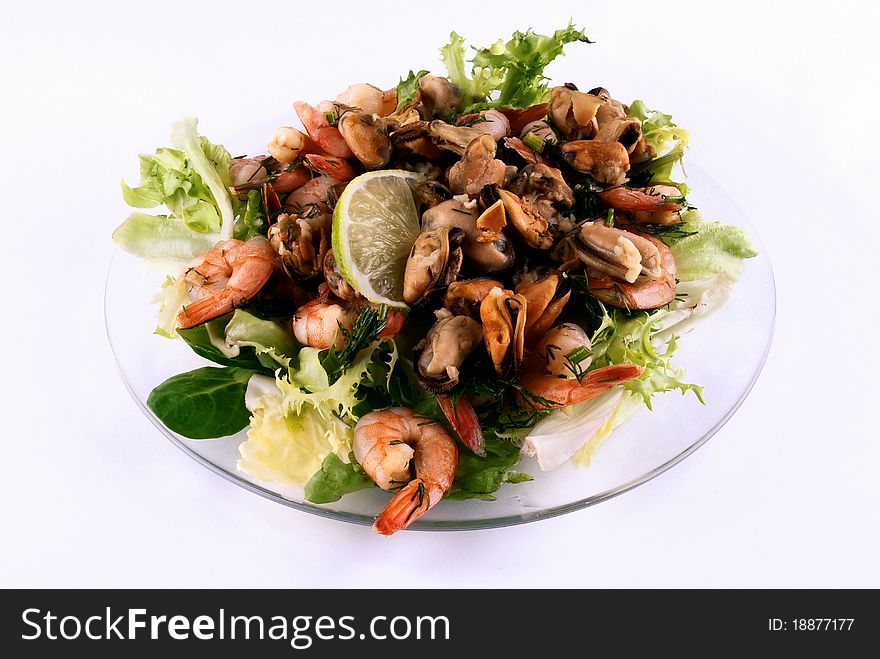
(454, 525)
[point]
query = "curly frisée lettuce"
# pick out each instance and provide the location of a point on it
(668, 142)
(507, 74)
(283, 446)
(300, 418)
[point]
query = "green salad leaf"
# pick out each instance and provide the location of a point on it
(201, 340)
(211, 162)
(161, 237)
(191, 181)
(252, 222)
(507, 74)
(284, 446)
(203, 404)
(478, 477)
(626, 339)
(300, 417)
(336, 478)
(241, 339)
(712, 248)
(668, 141)
(408, 87)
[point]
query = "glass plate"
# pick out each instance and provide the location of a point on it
(725, 354)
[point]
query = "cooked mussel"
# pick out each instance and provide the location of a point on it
(463, 298)
(486, 256)
(620, 254)
(546, 295)
(503, 315)
(447, 345)
(433, 263)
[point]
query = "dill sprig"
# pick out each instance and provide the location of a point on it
(668, 233)
(365, 330)
(532, 400)
(573, 362)
(587, 204)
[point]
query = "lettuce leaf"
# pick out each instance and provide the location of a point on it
(408, 87)
(668, 141)
(507, 74)
(628, 405)
(171, 299)
(299, 418)
(713, 248)
(695, 301)
(211, 162)
(272, 342)
(557, 437)
(191, 182)
(628, 339)
(336, 478)
(478, 477)
(283, 447)
(161, 237)
(242, 339)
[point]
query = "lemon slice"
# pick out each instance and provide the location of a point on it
(375, 224)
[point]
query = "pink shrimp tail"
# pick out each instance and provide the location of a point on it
(626, 199)
(337, 168)
(464, 420)
(326, 137)
(409, 504)
(394, 323)
(209, 308)
(291, 180)
(519, 119)
(525, 151)
(560, 392)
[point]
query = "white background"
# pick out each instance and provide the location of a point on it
(781, 102)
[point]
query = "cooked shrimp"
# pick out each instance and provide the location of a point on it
(246, 171)
(327, 137)
(316, 191)
(225, 277)
(524, 151)
(653, 199)
(369, 99)
(388, 444)
(464, 420)
(644, 293)
(286, 143)
(489, 122)
(549, 376)
(291, 180)
(317, 323)
(336, 168)
(658, 204)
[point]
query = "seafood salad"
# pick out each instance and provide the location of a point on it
(417, 286)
